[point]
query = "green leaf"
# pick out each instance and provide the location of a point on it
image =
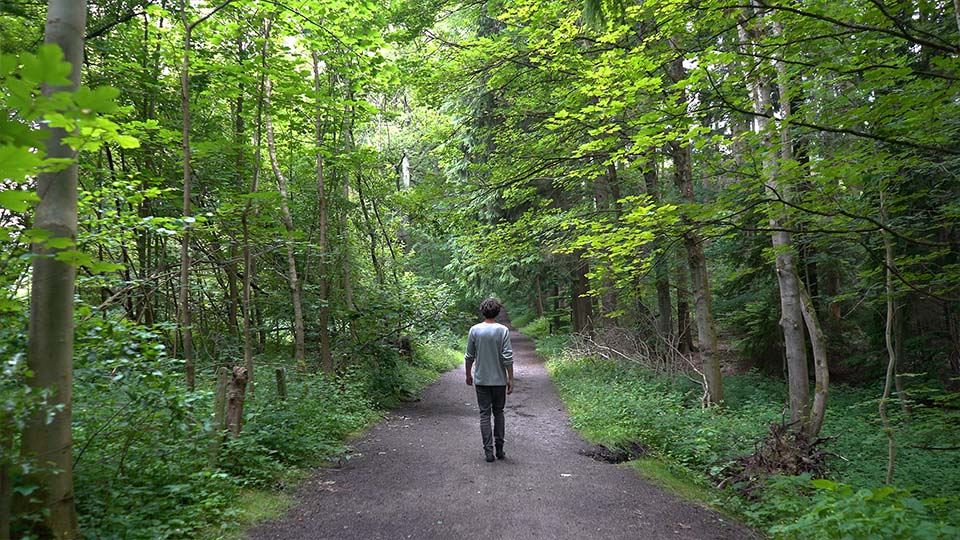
(74, 257)
(25, 490)
(18, 162)
(822, 483)
(9, 306)
(99, 100)
(100, 267)
(14, 199)
(59, 242)
(47, 66)
(126, 141)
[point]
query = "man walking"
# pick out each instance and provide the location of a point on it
(489, 365)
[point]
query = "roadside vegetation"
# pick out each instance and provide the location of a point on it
(689, 449)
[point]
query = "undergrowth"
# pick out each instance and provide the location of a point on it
(617, 403)
(144, 467)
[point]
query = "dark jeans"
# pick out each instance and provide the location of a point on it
(491, 399)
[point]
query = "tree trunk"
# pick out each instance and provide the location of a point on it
(281, 376)
(808, 309)
(821, 366)
(791, 315)
(249, 267)
(326, 358)
(299, 347)
(186, 332)
(684, 336)
(891, 353)
(582, 308)
(699, 279)
(219, 415)
(6, 482)
(607, 197)
(235, 397)
(555, 319)
(788, 279)
(345, 215)
(48, 440)
(230, 267)
(539, 296)
(662, 262)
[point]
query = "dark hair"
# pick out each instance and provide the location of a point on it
(490, 308)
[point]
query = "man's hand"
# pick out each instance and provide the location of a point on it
(469, 379)
(510, 386)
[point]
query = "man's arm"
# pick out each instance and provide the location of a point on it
(506, 356)
(469, 358)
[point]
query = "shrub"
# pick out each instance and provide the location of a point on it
(537, 329)
(839, 511)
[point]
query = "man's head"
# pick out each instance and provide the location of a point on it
(490, 308)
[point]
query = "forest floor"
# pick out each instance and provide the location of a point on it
(421, 474)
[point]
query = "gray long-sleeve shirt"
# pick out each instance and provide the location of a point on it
(488, 346)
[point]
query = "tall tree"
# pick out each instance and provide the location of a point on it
(50, 348)
(326, 359)
(693, 242)
(185, 319)
(293, 277)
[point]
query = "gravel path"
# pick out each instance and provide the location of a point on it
(420, 474)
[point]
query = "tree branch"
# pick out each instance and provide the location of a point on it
(828, 129)
(109, 26)
(943, 47)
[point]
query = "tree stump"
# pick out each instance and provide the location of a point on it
(236, 390)
(281, 383)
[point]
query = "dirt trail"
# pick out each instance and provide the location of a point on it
(420, 474)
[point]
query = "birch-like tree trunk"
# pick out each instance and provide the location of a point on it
(249, 268)
(345, 263)
(326, 358)
(699, 279)
(299, 347)
(186, 330)
(791, 316)
(183, 303)
(697, 261)
(50, 344)
(233, 304)
(818, 343)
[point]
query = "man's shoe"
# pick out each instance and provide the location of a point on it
(500, 454)
(490, 457)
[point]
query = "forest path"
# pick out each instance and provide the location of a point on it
(420, 474)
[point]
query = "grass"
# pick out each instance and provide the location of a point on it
(677, 480)
(252, 506)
